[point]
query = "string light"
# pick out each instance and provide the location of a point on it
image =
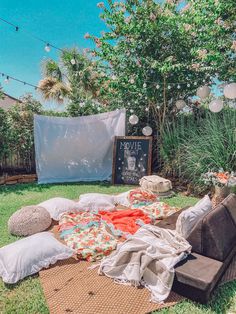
(18, 29)
(8, 78)
(47, 48)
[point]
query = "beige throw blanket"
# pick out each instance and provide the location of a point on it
(147, 258)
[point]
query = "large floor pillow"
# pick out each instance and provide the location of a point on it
(59, 205)
(29, 220)
(96, 201)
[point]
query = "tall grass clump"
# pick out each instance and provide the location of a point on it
(176, 132)
(194, 146)
(211, 147)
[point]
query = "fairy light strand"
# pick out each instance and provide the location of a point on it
(17, 29)
(9, 77)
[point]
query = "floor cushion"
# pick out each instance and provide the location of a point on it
(96, 201)
(29, 255)
(155, 184)
(189, 217)
(29, 220)
(58, 205)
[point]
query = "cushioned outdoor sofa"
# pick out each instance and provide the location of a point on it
(213, 242)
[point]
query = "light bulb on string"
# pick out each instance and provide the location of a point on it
(169, 87)
(47, 48)
(178, 86)
(6, 81)
(146, 109)
(188, 85)
(157, 86)
(131, 110)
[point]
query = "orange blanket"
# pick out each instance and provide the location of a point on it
(128, 220)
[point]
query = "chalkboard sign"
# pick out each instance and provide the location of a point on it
(131, 159)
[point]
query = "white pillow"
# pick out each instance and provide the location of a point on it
(189, 217)
(122, 199)
(58, 206)
(96, 201)
(29, 255)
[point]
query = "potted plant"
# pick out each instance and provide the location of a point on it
(223, 182)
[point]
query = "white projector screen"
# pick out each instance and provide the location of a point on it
(76, 149)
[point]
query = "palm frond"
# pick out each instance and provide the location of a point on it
(52, 89)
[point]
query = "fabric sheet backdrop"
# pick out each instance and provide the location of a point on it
(76, 149)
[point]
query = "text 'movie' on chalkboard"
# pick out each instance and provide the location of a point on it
(131, 159)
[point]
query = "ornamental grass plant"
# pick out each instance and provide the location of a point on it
(193, 146)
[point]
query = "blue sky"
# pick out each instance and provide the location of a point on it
(60, 22)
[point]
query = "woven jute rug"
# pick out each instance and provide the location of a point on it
(71, 287)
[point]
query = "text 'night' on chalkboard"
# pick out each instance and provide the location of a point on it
(131, 159)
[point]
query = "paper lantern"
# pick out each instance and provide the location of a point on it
(133, 119)
(230, 91)
(216, 105)
(180, 104)
(147, 130)
(203, 91)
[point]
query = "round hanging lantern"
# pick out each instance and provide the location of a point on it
(230, 91)
(216, 105)
(133, 119)
(180, 104)
(203, 92)
(147, 130)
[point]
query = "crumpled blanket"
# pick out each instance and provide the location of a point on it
(125, 222)
(142, 196)
(156, 210)
(147, 258)
(87, 235)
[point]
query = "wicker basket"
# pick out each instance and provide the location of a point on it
(155, 184)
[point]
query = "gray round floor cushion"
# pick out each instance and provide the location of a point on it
(29, 220)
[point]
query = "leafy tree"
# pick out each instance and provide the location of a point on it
(158, 53)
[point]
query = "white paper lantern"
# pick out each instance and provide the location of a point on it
(230, 91)
(203, 91)
(216, 105)
(147, 130)
(180, 104)
(133, 119)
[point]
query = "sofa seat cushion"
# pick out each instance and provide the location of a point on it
(214, 235)
(230, 203)
(198, 271)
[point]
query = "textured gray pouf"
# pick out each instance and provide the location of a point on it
(29, 220)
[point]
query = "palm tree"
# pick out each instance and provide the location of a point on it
(74, 77)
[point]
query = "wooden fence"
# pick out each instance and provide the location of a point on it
(16, 164)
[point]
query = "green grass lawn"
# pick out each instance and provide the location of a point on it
(27, 297)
